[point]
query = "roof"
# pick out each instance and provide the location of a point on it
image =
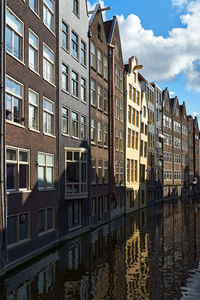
(97, 7)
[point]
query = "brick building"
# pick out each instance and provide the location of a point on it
(190, 150)
(99, 118)
(31, 105)
(196, 148)
(73, 98)
(176, 142)
(184, 147)
(167, 144)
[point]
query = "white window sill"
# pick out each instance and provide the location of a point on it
(74, 228)
(50, 135)
(15, 124)
(32, 70)
(20, 61)
(49, 28)
(49, 82)
(10, 192)
(19, 243)
(46, 232)
(34, 12)
(34, 130)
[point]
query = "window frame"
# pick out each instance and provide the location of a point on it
(45, 165)
(50, 113)
(37, 108)
(18, 34)
(51, 63)
(17, 229)
(52, 12)
(35, 49)
(17, 162)
(46, 230)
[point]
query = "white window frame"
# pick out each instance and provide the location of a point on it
(48, 62)
(21, 35)
(45, 166)
(52, 12)
(17, 162)
(36, 12)
(36, 106)
(20, 98)
(36, 49)
(48, 112)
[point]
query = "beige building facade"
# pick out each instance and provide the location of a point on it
(136, 138)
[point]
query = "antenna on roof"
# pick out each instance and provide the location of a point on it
(101, 9)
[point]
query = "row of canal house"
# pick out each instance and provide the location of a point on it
(86, 137)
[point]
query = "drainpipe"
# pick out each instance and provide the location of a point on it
(89, 136)
(3, 133)
(112, 121)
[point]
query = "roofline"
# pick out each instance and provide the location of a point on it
(97, 7)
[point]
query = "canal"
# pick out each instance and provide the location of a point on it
(151, 254)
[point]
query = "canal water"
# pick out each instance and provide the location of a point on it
(151, 254)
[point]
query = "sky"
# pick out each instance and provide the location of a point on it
(165, 36)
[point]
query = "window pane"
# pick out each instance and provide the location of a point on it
(23, 156)
(41, 177)
(41, 221)
(13, 87)
(49, 160)
(33, 40)
(13, 22)
(72, 172)
(23, 226)
(41, 159)
(23, 173)
(11, 154)
(49, 218)
(11, 176)
(12, 230)
(49, 177)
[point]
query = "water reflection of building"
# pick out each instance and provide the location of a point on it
(137, 266)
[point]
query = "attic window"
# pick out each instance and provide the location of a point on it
(177, 112)
(116, 49)
(99, 31)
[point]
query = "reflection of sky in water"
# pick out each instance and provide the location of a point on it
(192, 289)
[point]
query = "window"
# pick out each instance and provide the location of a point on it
(133, 116)
(117, 139)
(117, 108)
(74, 214)
(75, 127)
(34, 5)
(94, 175)
(133, 139)
(76, 171)
(105, 68)
(99, 62)
(83, 53)
(116, 49)
(92, 56)
(100, 134)
(83, 127)
(121, 81)
(18, 228)
(48, 64)
(136, 171)
(65, 78)
(65, 36)
(105, 101)
(48, 116)
(48, 14)
(14, 35)
(17, 169)
(74, 37)
(128, 170)
(117, 172)
(92, 93)
(33, 112)
(100, 97)
(130, 92)
(129, 137)
(105, 171)
(45, 171)
(93, 131)
(33, 52)
(83, 90)
(121, 172)
(100, 171)
(117, 76)
(134, 95)
(105, 136)
(45, 219)
(65, 120)
(136, 141)
(129, 114)
(14, 101)
(74, 84)
(99, 31)
(76, 6)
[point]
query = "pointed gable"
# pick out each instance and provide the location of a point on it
(167, 101)
(96, 25)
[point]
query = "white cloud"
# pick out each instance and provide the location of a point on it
(164, 58)
(171, 93)
(179, 3)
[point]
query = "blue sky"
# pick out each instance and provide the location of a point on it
(165, 36)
